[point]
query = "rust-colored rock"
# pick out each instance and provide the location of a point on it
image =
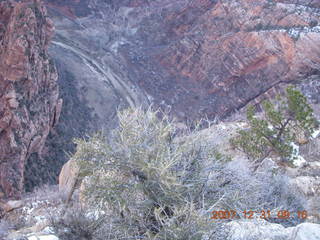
(195, 57)
(28, 89)
(200, 57)
(212, 57)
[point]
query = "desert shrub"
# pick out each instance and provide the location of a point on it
(76, 223)
(5, 226)
(276, 129)
(146, 178)
(152, 182)
(17, 222)
(48, 193)
(278, 195)
(185, 223)
(236, 187)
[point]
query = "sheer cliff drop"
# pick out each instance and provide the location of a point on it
(29, 103)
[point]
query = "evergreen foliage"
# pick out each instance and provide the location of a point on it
(277, 128)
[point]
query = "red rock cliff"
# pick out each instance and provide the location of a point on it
(201, 57)
(212, 57)
(29, 105)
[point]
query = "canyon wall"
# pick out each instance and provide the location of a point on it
(199, 58)
(29, 103)
(196, 57)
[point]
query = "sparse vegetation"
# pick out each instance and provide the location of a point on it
(48, 193)
(277, 127)
(148, 181)
(76, 223)
(4, 228)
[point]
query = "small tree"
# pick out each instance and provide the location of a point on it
(276, 129)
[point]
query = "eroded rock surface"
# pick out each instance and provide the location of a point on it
(197, 58)
(261, 230)
(29, 104)
(200, 57)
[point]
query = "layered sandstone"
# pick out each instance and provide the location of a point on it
(200, 57)
(29, 104)
(213, 57)
(196, 57)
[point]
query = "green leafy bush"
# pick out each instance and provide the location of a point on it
(278, 126)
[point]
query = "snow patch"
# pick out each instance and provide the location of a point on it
(315, 133)
(44, 237)
(297, 159)
(223, 127)
(242, 124)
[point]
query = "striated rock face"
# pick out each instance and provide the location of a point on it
(201, 57)
(212, 57)
(29, 104)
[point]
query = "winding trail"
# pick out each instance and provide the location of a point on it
(129, 93)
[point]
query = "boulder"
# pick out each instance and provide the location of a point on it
(218, 136)
(311, 151)
(310, 188)
(259, 229)
(11, 205)
(308, 185)
(40, 226)
(68, 178)
(306, 231)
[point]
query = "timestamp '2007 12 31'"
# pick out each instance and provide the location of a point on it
(263, 214)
